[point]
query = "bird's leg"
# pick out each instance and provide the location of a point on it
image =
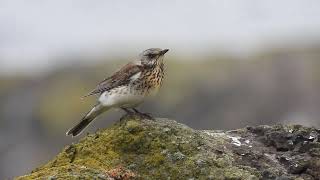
(136, 111)
(144, 115)
(127, 110)
(129, 113)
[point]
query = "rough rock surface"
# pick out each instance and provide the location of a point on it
(137, 148)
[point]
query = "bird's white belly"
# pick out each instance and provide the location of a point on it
(121, 97)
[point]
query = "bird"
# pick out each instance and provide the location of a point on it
(126, 88)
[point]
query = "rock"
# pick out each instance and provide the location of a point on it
(137, 148)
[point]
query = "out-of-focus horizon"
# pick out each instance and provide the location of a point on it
(230, 65)
(35, 34)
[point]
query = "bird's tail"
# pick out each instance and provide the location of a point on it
(87, 119)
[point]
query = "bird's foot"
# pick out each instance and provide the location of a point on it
(128, 114)
(143, 115)
(146, 116)
(127, 111)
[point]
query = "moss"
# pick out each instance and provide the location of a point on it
(155, 160)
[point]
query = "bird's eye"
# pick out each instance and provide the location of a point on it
(152, 55)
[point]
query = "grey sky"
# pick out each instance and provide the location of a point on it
(34, 31)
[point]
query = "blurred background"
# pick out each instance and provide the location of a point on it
(230, 65)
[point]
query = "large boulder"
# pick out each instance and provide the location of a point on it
(137, 148)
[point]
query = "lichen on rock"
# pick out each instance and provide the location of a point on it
(137, 148)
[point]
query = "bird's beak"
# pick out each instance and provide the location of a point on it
(164, 51)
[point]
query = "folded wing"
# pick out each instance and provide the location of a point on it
(120, 78)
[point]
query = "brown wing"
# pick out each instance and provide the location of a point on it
(121, 77)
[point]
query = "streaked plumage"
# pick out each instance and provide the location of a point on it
(128, 87)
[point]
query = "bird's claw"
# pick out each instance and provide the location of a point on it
(143, 115)
(146, 116)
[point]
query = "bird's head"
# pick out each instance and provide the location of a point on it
(152, 56)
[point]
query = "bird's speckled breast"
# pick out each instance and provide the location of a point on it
(152, 80)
